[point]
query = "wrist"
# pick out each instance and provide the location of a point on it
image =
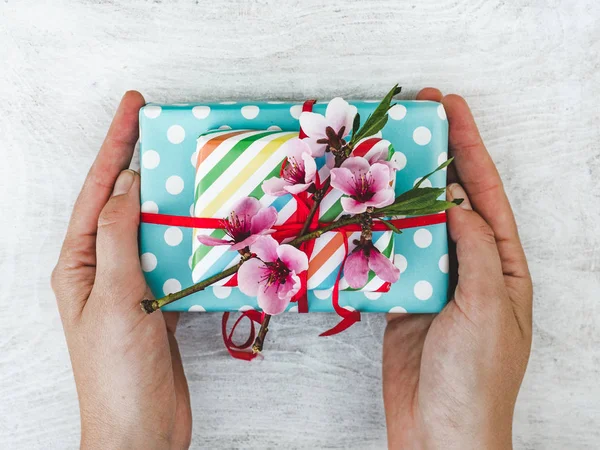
(99, 435)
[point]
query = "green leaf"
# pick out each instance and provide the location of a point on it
(391, 226)
(440, 167)
(432, 208)
(356, 124)
(375, 122)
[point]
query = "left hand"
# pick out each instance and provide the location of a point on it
(130, 381)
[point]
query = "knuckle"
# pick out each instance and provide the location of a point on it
(111, 214)
(486, 234)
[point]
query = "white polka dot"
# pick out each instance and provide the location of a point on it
(274, 128)
(222, 291)
(194, 159)
(400, 159)
(275, 102)
(150, 159)
(293, 309)
(442, 158)
(201, 112)
(444, 263)
(423, 290)
(400, 262)
(149, 207)
(250, 112)
(397, 112)
(148, 261)
(174, 185)
(441, 112)
(397, 310)
(190, 262)
(173, 236)
(228, 103)
(323, 294)
(295, 111)
(192, 210)
(224, 127)
(246, 308)
(422, 135)
(171, 285)
(423, 238)
(425, 183)
(197, 308)
(152, 111)
(379, 134)
(372, 295)
(176, 134)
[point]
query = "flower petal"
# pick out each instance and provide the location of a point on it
(263, 220)
(295, 148)
(245, 243)
(352, 206)
(380, 174)
(382, 198)
(208, 240)
(275, 186)
(379, 152)
(343, 179)
(313, 125)
(316, 148)
(297, 188)
(269, 301)
(265, 248)
(383, 267)
(310, 167)
(336, 115)
(290, 287)
(249, 276)
(246, 206)
(356, 269)
(294, 259)
(356, 164)
(350, 115)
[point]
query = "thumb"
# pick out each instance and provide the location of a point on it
(480, 278)
(117, 257)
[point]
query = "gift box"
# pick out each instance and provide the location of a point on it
(418, 132)
(232, 165)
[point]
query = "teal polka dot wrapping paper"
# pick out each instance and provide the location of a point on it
(418, 131)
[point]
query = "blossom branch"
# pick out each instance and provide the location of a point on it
(149, 306)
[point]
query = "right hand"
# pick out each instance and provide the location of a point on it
(451, 380)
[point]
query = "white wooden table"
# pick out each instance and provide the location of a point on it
(530, 70)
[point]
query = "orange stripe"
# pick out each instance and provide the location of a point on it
(326, 252)
(209, 146)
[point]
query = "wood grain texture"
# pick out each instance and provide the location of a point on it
(530, 70)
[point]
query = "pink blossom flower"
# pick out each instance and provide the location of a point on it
(335, 125)
(299, 172)
(379, 154)
(273, 274)
(364, 258)
(245, 224)
(365, 185)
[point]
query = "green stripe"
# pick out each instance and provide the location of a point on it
(228, 159)
(333, 213)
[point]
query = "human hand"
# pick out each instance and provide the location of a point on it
(130, 381)
(451, 380)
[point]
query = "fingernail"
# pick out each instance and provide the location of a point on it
(456, 191)
(124, 182)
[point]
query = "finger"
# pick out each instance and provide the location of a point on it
(480, 279)
(479, 176)
(435, 95)
(114, 156)
(118, 262)
(430, 93)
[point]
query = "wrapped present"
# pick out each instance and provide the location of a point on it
(232, 164)
(418, 131)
